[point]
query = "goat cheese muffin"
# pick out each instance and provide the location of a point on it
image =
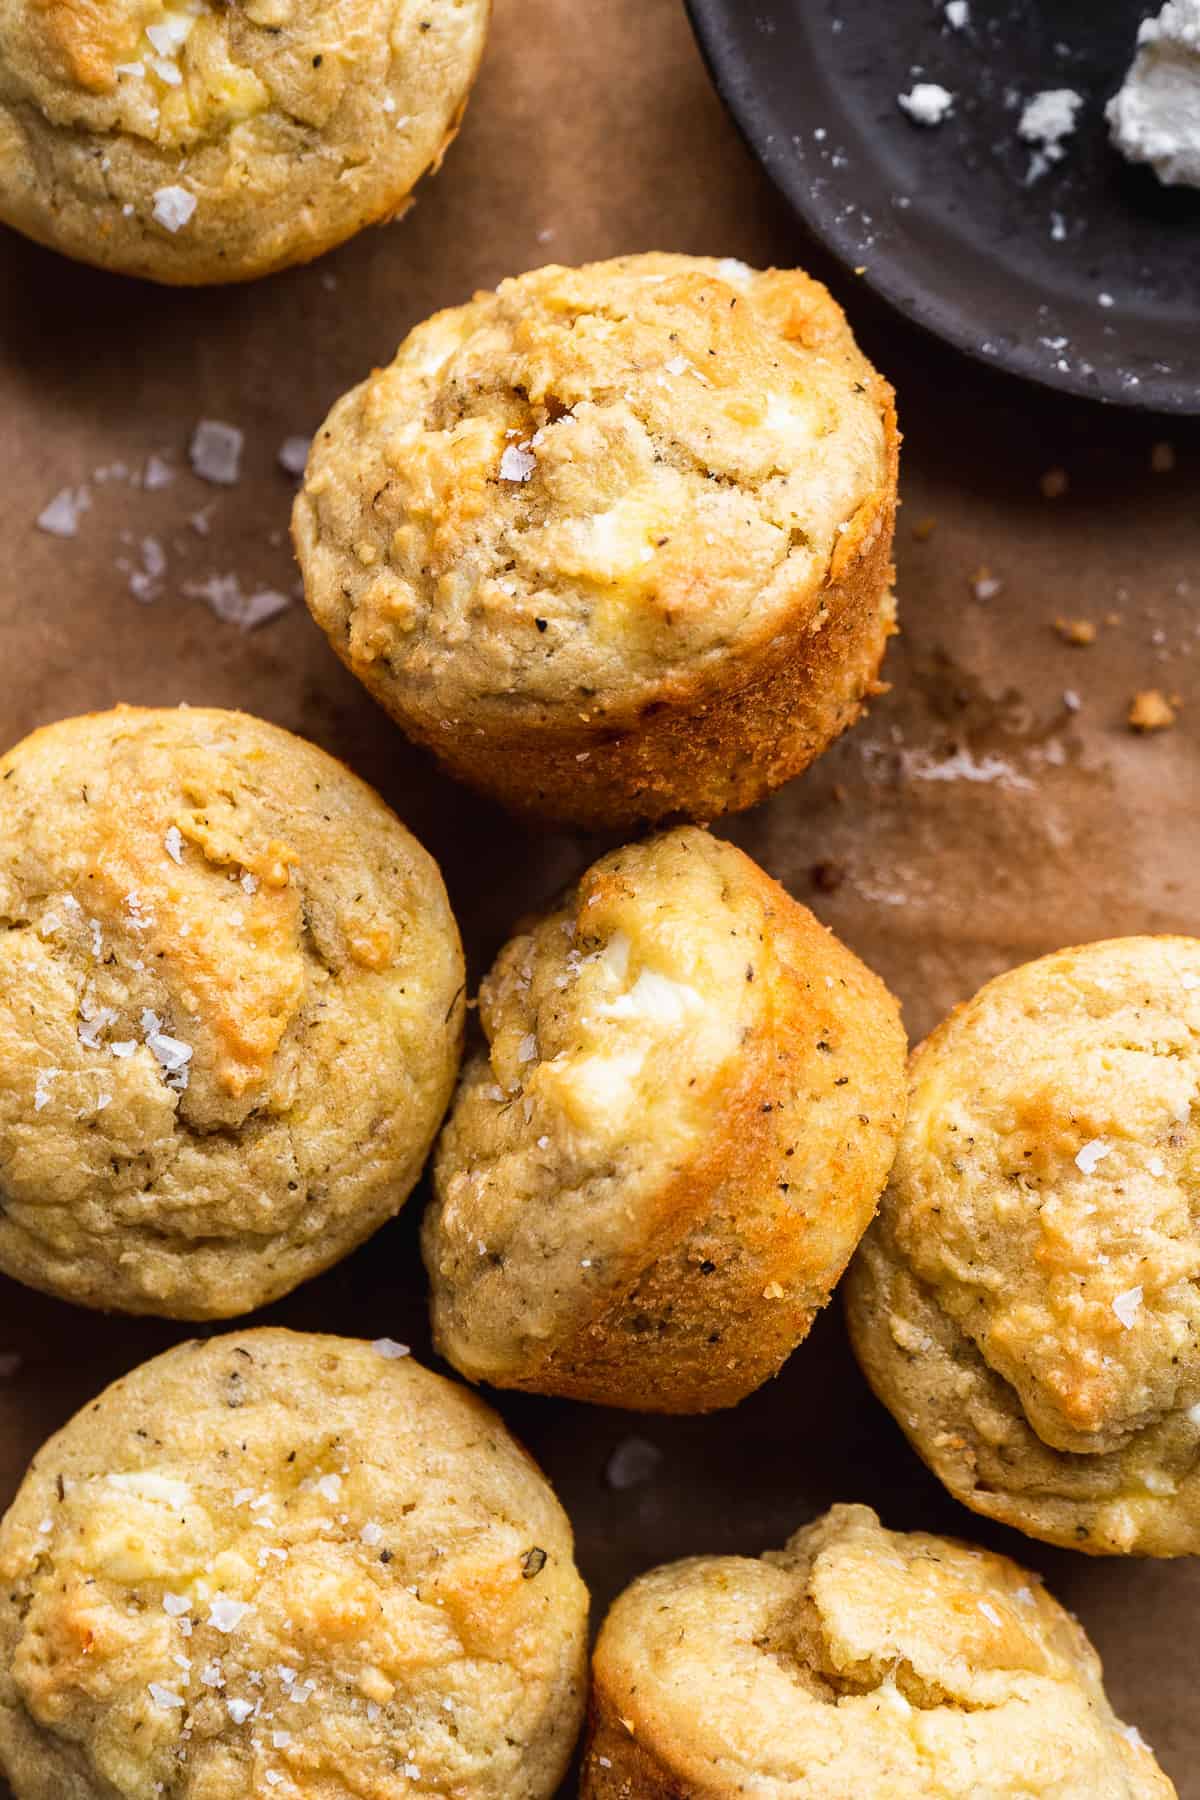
(1027, 1304)
(191, 141)
(856, 1661)
(288, 1565)
(614, 542)
(231, 1006)
(657, 1168)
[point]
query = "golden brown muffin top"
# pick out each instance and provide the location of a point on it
(230, 1009)
(593, 484)
(1045, 1187)
(675, 1020)
(860, 1661)
(202, 141)
(288, 1565)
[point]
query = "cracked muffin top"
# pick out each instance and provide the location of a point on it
(1028, 1301)
(855, 1661)
(192, 141)
(284, 1565)
(231, 1003)
(593, 489)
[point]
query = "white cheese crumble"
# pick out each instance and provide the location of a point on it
(1154, 118)
(1091, 1154)
(61, 516)
(216, 452)
(1127, 1306)
(517, 463)
(1048, 118)
(173, 205)
(928, 103)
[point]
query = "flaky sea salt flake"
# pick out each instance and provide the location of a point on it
(227, 1614)
(389, 1348)
(517, 463)
(1091, 1154)
(1127, 1306)
(216, 452)
(293, 454)
(62, 515)
(173, 205)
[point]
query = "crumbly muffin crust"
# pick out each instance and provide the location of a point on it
(287, 1565)
(657, 1169)
(231, 1005)
(857, 1661)
(191, 141)
(613, 541)
(1027, 1303)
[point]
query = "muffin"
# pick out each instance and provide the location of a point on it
(231, 1004)
(614, 542)
(288, 1565)
(189, 141)
(1027, 1304)
(656, 1169)
(855, 1662)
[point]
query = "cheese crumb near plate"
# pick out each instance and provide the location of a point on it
(927, 103)
(1154, 118)
(1048, 119)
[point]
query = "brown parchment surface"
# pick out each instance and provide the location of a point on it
(974, 820)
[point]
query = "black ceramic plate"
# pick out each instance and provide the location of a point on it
(945, 221)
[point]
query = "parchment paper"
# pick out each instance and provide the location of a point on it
(974, 820)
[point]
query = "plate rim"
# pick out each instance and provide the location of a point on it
(709, 21)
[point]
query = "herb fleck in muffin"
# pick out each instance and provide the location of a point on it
(856, 1662)
(194, 141)
(284, 1565)
(231, 1004)
(614, 541)
(655, 1171)
(1028, 1302)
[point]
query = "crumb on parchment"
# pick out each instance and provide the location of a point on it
(1080, 632)
(1150, 710)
